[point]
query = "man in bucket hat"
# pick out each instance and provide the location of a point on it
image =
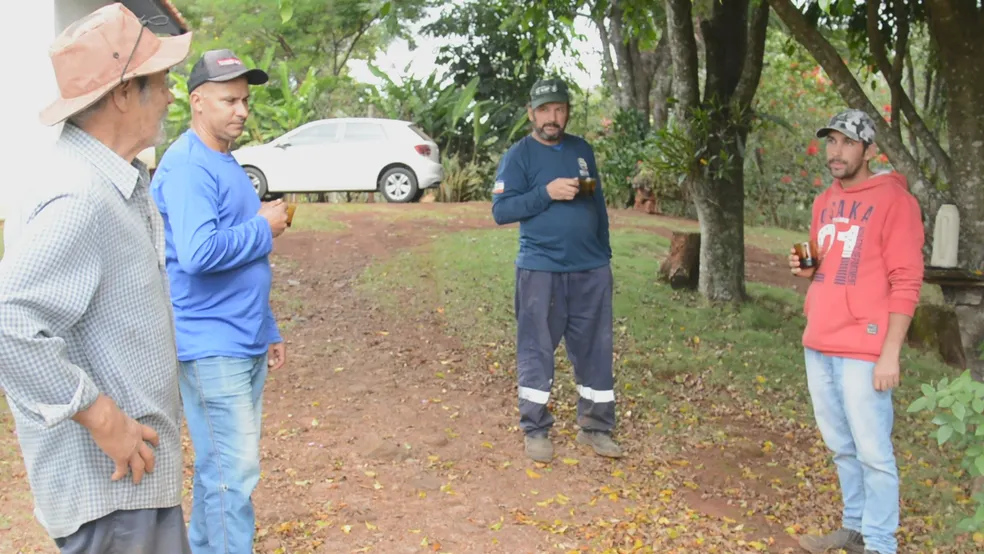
(219, 238)
(89, 365)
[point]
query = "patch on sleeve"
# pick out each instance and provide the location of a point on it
(500, 186)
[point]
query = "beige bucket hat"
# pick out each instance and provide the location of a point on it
(102, 50)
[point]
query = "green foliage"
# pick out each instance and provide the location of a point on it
(620, 150)
(465, 181)
(451, 115)
(958, 408)
(323, 34)
(490, 52)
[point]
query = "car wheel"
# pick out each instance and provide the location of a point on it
(258, 179)
(398, 185)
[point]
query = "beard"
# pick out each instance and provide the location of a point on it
(843, 170)
(550, 131)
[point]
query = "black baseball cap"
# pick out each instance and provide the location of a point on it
(223, 65)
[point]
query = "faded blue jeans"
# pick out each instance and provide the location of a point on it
(222, 403)
(856, 421)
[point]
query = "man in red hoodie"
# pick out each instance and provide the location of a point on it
(869, 233)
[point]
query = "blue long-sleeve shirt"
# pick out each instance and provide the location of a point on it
(559, 236)
(217, 252)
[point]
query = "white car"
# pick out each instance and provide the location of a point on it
(355, 154)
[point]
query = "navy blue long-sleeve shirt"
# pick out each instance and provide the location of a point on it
(559, 236)
(217, 251)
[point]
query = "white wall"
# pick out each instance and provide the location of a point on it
(32, 87)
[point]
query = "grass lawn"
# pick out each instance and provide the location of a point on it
(745, 362)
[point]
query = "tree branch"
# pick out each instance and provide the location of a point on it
(606, 53)
(683, 48)
(725, 48)
(911, 70)
(877, 46)
(901, 49)
(348, 52)
(751, 71)
(899, 98)
(854, 95)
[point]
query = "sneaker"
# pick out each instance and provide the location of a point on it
(849, 540)
(602, 443)
(540, 449)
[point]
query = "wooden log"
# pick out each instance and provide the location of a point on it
(681, 268)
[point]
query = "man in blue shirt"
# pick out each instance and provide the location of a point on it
(563, 272)
(218, 241)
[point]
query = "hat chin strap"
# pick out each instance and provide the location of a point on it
(156, 21)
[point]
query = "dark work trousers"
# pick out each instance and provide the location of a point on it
(578, 307)
(153, 531)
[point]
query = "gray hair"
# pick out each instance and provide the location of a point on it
(82, 117)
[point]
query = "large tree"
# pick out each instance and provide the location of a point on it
(946, 167)
(710, 128)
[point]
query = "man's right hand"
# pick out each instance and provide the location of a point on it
(563, 188)
(794, 266)
(276, 213)
(120, 437)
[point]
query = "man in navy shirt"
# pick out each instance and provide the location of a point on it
(563, 272)
(218, 239)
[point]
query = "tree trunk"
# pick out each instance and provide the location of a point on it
(720, 207)
(635, 67)
(623, 94)
(956, 30)
(662, 88)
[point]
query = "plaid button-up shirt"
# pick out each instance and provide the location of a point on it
(84, 310)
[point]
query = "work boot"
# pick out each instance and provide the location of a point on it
(849, 540)
(602, 443)
(540, 449)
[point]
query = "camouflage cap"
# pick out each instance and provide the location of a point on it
(855, 124)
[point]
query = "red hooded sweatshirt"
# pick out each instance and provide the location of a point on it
(870, 238)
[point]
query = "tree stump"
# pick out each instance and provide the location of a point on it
(681, 268)
(645, 200)
(935, 328)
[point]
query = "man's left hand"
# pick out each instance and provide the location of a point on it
(277, 356)
(886, 373)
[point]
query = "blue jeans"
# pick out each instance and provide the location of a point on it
(855, 421)
(222, 400)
